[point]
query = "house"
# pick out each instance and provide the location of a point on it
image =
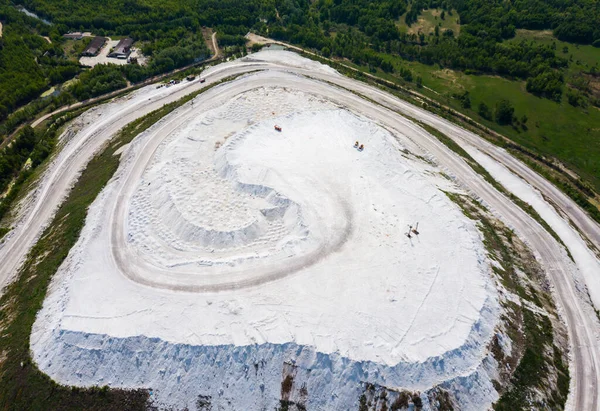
(123, 49)
(94, 47)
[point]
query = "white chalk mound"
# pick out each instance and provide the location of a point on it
(212, 217)
(225, 252)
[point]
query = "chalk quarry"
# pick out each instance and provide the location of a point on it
(231, 265)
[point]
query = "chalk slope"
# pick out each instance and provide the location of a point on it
(213, 196)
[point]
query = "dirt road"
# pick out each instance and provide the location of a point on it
(129, 87)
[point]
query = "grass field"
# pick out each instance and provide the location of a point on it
(427, 21)
(572, 135)
(584, 56)
(74, 48)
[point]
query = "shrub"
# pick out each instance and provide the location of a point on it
(504, 112)
(484, 111)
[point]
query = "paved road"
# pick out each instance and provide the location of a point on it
(581, 322)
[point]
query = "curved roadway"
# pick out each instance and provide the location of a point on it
(581, 321)
(134, 267)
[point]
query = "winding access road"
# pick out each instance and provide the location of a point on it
(384, 108)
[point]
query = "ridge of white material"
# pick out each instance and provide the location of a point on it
(224, 191)
(588, 263)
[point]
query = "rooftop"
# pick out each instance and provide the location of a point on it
(94, 47)
(122, 49)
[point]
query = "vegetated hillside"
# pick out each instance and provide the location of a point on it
(546, 99)
(357, 29)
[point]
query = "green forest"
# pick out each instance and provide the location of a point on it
(29, 64)
(32, 56)
(354, 29)
(359, 30)
(412, 41)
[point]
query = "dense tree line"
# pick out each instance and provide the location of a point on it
(479, 48)
(14, 157)
(363, 31)
(99, 80)
(21, 157)
(356, 29)
(29, 64)
(571, 20)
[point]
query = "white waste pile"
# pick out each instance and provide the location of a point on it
(247, 254)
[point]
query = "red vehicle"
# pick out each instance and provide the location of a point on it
(202, 80)
(278, 128)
